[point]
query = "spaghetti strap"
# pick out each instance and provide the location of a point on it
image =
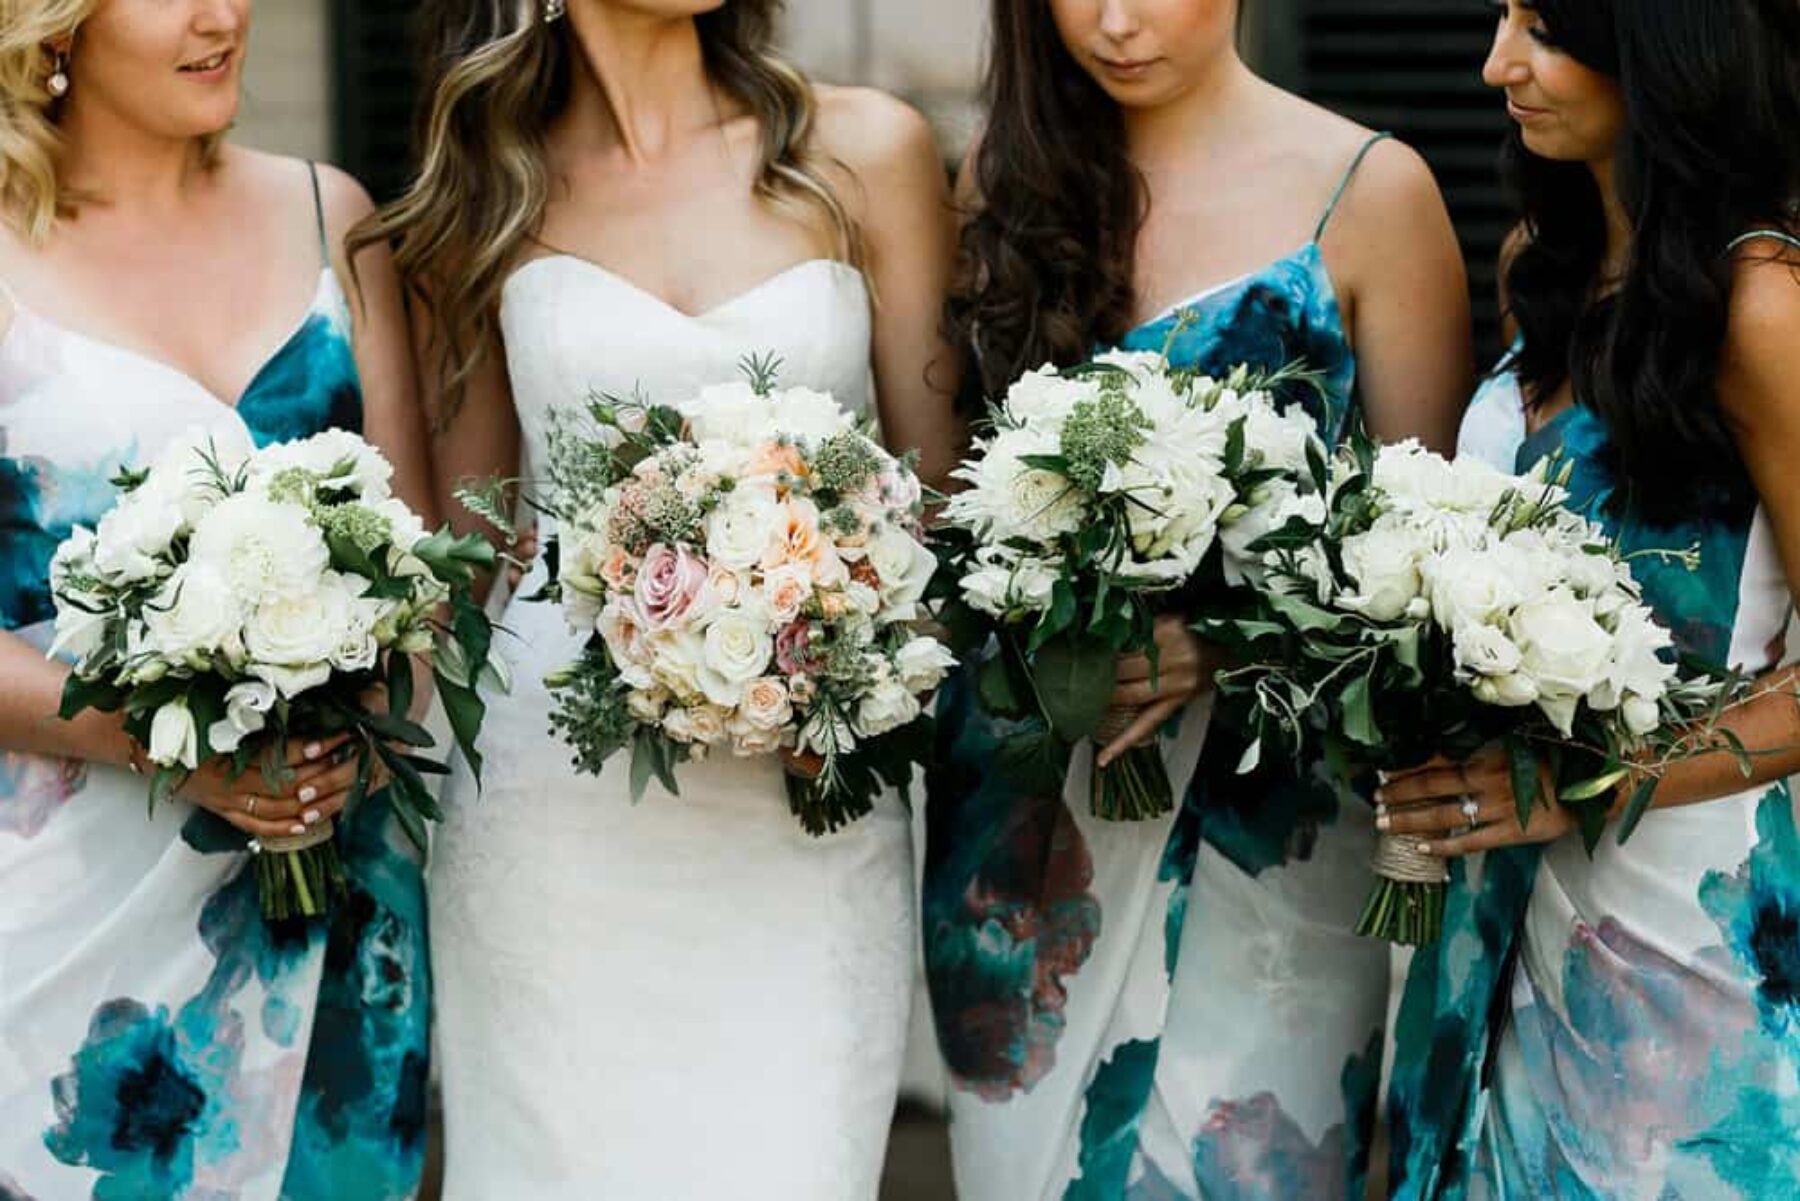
(1344, 183)
(1786, 239)
(319, 214)
(8, 295)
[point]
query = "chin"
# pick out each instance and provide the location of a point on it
(1557, 147)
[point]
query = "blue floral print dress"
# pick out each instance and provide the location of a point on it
(1625, 1026)
(1175, 1009)
(157, 1039)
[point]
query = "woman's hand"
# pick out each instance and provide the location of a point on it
(521, 555)
(1461, 808)
(324, 772)
(1185, 667)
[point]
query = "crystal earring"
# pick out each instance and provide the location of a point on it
(58, 83)
(554, 10)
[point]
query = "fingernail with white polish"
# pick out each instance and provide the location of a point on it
(314, 750)
(310, 817)
(308, 795)
(1424, 848)
(1383, 821)
(297, 830)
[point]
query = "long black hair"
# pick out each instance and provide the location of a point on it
(1710, 150)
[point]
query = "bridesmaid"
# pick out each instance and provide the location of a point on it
(1177, 1008)
(1628, 1025)
(156, 1039)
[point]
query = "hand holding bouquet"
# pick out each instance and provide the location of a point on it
(746, 568)
(1412, 607)
(237, 599)
(1104, 496)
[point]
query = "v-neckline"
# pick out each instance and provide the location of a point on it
(703, 315)
(163, 365)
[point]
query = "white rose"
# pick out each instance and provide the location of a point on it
(675, 659)
(765, 704)
(186, 472)
(266, 550)
(1566, 651)
(173, 737)
(1384, 564)
(731, 413)
(195, 615)
(887, 706)
(748, 741)
(1045, 398)
(806, 415)
(134, 536)
(247, 707)
(646, 705)
(1506, 692)
(293, 639)
(923, 663)
(786, 590)
(1486, 651)
(1469, 587)
(741, 529)
(738, 647)
(905, 567)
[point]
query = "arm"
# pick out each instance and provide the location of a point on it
(1762, 355)
(1402, 269)
(902, 198)
(393, 420)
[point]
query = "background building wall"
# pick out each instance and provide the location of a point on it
(287, 96)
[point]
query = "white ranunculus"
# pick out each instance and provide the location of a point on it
(266, 550)
(1044, 398)
(1566, 651)
(887, 706)
(341, 460)
(174, 737)
(1641, 714)
(247, 708)
(1507, 692)
(294, 639)
(923, 663)
(743, 527)
(738, 647)
(905, 566)
(1484, 650)
(133, 538)
(806, 415)
(196, 615)
(765, 704)
(1383, 562)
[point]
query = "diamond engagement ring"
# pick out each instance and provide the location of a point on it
(1470, 809)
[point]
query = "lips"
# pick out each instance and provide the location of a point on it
(207, 65)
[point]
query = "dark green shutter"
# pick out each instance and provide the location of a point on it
(1413, 67)
(377, 88)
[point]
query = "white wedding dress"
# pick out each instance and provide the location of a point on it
(688, 997)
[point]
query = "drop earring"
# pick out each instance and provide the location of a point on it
(554, 10)
(58, 83)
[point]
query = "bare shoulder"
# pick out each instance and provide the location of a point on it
(1762, 336)
(874, 134)
(281, 181)
(1391, 178)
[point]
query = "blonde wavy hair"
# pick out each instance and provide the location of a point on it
(33, 196)
(497, 77)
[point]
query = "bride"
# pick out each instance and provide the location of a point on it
(688, 997)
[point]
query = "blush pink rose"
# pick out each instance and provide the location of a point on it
(670, 584)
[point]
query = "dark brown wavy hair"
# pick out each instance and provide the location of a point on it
(1047, 255)
(497, 76)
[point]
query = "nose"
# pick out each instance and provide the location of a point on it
(214, 17)
(1119, 20)
(1508, 62)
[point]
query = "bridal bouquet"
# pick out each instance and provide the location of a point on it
(745, 568)
(234, 599)
(1103, 496)
(1411, 606)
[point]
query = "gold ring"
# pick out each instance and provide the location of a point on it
(250, 806)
